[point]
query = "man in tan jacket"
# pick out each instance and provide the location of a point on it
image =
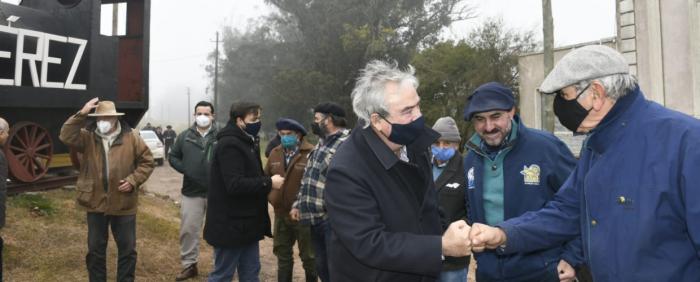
(115, 162)
(289, 160)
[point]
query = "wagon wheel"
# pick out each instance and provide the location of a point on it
(28, 149)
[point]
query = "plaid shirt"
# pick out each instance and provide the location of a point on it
(312, 208)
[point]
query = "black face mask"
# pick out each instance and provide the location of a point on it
(569, 112)
(253, 128)
(319, 130)
(405, 134)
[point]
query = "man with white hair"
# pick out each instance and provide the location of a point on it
(380, 195)
(633, 195)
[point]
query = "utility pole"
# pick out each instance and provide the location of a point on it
(216, 73)
(189, 109)
(548, 37)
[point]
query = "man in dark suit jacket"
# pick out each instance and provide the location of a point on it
(237, 217)
(380, 196)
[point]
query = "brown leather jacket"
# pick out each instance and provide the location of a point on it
(129, 159)
(283, 198)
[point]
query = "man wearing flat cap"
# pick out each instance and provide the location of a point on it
(512, 169)
(289, 160)
(309, 208)
(633, 197)
(115, 162)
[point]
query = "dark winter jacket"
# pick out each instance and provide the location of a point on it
(383, 212)
(451, 187)
(191, 156)
(533, 170)
(237, 198)
(633, 198)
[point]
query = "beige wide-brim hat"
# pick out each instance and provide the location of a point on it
(105, 109)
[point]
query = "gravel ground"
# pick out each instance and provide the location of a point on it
(166, 182)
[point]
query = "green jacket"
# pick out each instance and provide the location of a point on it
(191, 156)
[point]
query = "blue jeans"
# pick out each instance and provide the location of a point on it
(245, 258)
(320, 237)
(459, 275)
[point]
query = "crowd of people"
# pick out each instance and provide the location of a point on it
(397, 200)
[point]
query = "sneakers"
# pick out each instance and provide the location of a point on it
(187, 273)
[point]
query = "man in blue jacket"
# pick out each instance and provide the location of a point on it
(633, 197)
(512, 169)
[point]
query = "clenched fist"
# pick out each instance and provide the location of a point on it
(486, 237)
(455, 241)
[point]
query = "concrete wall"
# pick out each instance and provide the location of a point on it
(661, 42)
(531, 70)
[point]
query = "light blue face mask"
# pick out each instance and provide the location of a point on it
(443, 154)
(288, 141)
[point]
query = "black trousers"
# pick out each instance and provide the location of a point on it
(124, 233)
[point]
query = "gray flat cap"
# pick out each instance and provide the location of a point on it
(589, 62)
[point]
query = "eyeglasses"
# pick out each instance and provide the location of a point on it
(560, 93)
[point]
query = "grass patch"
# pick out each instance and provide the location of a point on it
(37, 204)
(53, 247)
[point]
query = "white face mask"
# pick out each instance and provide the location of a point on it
(104, 126)
(202, 121)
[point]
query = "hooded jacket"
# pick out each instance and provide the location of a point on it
(237, 197)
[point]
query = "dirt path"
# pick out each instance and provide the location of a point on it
(166, 182)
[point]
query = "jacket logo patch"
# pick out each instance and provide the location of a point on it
(452, 185)
(470, 179)
(531, 174)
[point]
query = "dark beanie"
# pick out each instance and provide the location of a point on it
(330, 108)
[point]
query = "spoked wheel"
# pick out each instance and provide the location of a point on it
(29, 149)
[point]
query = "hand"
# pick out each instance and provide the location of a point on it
(455, 241)
(566, 272)
(294, 214)
(89, 106)
(125, 186)
(483, 236)
(277, 181)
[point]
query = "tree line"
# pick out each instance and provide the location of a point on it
(307, 52)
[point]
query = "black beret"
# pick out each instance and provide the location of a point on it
(290, 124)
(330, 108)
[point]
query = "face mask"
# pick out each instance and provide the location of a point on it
(202, 121)
(288, 141)
(317, 129)
(253, 128)
(405, 134)
(443, 154)
(569, 112)
(104, 126)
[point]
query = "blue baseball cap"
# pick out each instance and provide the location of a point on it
(489, 97)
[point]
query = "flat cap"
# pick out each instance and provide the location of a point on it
(489, 97)
(589, 62)
(290, 124)
(330, 108)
